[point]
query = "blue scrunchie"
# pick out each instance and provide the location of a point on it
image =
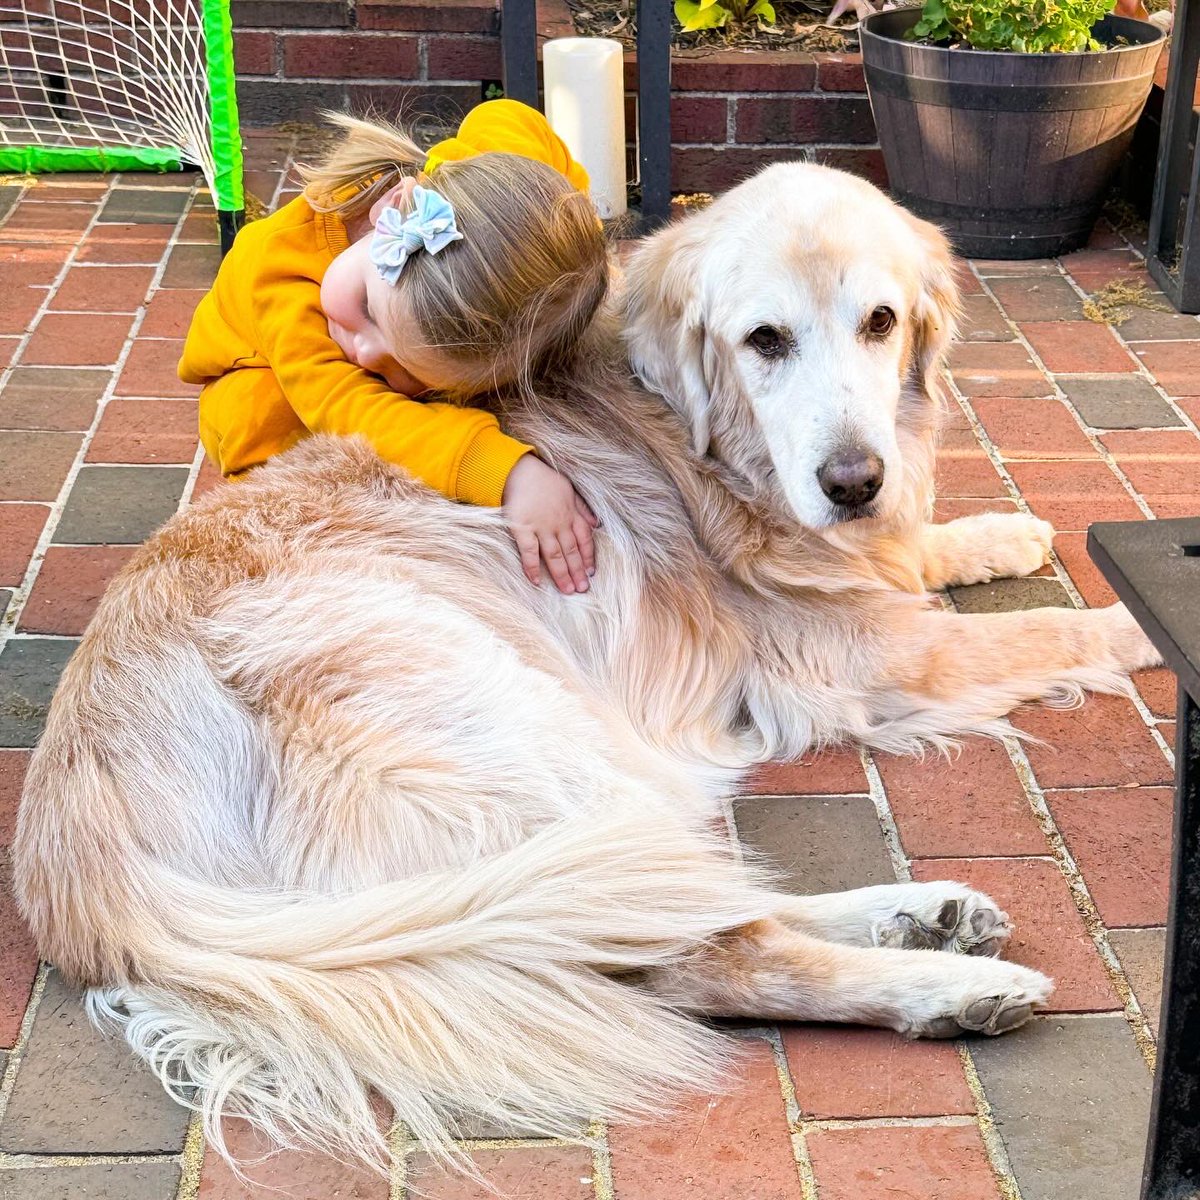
(430, 226)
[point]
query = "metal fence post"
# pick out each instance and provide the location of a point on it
(654, 110)
(518, 48)
(1173, 252)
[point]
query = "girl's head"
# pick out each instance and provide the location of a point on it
(505, 301)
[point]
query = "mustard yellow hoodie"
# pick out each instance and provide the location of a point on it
(260, 346)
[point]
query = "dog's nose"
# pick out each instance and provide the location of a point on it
(851, 476)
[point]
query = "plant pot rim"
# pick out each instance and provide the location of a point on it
(865, 32)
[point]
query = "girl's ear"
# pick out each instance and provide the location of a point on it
(396, 197)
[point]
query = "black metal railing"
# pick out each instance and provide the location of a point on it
(1154, 567)
(519, 42)
(1173, 251)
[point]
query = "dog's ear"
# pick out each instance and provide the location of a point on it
(938, 302)
(664, 322)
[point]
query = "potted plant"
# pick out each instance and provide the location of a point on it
(1003, 120)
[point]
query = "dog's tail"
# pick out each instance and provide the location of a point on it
(504, 991)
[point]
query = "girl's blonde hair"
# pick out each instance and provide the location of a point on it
(517, 292)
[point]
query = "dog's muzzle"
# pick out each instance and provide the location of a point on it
(852, 477)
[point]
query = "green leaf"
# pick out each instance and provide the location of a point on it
(696, 14)
(764, 10)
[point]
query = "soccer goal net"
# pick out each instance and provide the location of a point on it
(120, 85)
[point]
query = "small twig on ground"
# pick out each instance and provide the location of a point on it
(1111, 305)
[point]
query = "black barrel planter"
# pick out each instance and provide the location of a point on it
(1010, 153)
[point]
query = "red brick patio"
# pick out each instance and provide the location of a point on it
(1072, 420)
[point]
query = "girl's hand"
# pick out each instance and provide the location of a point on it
(550, 524)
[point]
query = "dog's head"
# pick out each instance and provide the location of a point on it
(796, 326)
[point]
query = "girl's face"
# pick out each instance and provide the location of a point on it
(356, 299)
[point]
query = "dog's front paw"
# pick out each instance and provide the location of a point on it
(1012, 545)
(985, 546)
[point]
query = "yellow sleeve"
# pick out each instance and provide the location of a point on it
(459, 452)
(508, 127)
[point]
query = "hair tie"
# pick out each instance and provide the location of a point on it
(430, 226)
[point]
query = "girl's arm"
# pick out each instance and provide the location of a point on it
(457, 451)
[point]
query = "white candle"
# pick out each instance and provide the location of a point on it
(584, 80)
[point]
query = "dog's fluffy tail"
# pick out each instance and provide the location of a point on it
(505, 991)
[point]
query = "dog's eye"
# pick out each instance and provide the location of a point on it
(881, 322)
(768, 341)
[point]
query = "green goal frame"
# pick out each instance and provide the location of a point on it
(223, 173)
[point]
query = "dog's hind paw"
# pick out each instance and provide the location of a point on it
(945, 916)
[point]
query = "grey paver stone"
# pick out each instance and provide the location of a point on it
(29, 671)
(33, 465)
(982, 321)
(1141, 953)
(1155, 325)
(8, 197)
(1042, 298)
(52, 397)
(1118, 402)
(79, 1092)
(191, 265)
(817, 843)
(1071, 1099)
(119, 505)
(5, 597)
(143, 206)
(1010, 595)
(93, 1181)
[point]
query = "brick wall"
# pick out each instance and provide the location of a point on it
(427, 58)
(732, 111)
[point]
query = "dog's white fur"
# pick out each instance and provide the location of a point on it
(331, 800)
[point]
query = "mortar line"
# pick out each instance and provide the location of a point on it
(1001, 466)
(21, 594)
(29, 1162)
(1144, 370)
(401, 1146)
(901, 863)
(791, 1107)
(993, 1142)
(1082, 897)
(8, 618)
(602, 1172)
(17, 1054)
(1061, 396)
(948, 1121)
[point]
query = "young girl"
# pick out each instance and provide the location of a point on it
(385, 283)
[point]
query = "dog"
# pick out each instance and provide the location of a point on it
(331, 801)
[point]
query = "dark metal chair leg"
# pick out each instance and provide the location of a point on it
(1173, 1151)
(518, 48)
(654, 110)
(1173, 253)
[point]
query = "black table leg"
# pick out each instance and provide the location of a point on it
(1173, 1150)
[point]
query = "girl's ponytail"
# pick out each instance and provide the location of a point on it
(370, 159)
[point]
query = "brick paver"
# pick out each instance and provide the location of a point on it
(1069, 830)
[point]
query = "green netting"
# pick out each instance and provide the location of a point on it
(120, 85)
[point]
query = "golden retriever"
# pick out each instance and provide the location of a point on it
(331, 801)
